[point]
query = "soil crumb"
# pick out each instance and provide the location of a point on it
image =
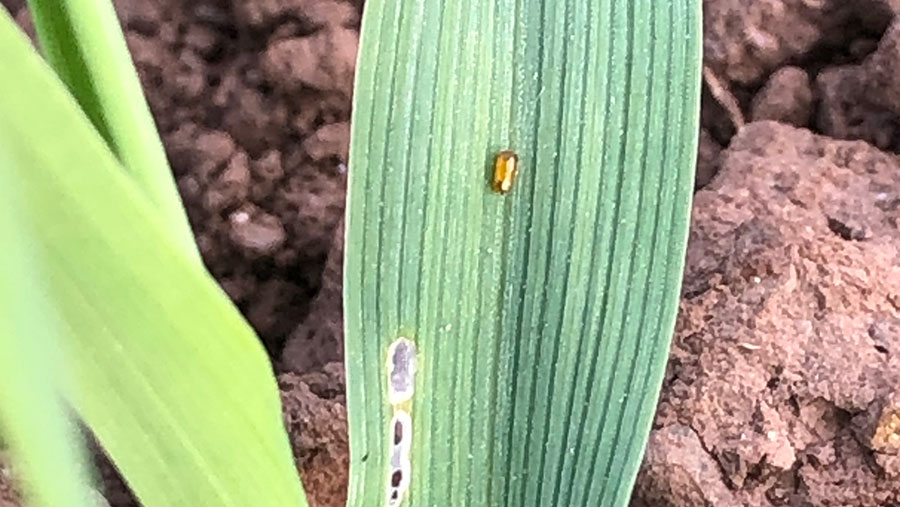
(316, 420)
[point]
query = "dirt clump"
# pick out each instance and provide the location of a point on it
(677, 470)
(861, 101)
(298, 15)
(883, 71)
(787, 351)
(316, 421)
(786, 97)
(843, 114)
(319, 339)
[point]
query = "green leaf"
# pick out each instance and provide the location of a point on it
(33, 419)
(83, 42)
(542, 317)
(161, 365)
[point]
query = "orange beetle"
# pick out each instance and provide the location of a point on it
(506, 165)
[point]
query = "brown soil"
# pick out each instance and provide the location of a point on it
(783, 386)
(787, 349)
(315, 416)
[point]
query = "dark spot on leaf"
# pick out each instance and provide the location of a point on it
(398, 432)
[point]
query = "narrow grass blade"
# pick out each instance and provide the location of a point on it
(83, 42)
(163, 369)
(541, 318)
(33, 421)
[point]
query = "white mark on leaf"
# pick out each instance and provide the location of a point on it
(401, 367)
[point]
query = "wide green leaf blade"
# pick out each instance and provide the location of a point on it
(541, 318)
(162, 366)
(33, 420)
(83, 42)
